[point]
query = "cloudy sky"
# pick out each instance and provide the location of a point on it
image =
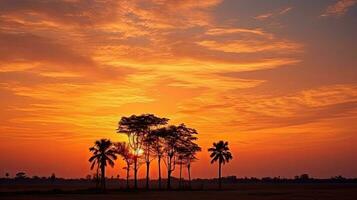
(277, 79)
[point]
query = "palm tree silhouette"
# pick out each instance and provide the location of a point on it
(220, 153)
(103, 153)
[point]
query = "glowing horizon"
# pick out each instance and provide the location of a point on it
(276, 79)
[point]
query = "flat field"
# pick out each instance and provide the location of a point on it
(236, 191)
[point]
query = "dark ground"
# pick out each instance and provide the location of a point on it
(232, 191)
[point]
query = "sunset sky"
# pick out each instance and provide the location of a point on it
(277, 79)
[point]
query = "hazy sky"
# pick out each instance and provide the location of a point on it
(277, 79)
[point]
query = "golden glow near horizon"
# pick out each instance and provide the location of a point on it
(278, 84)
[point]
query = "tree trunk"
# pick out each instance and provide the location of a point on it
(97, 178)
(103, 176)
(169, 179)
(189, 175)
(135, 173)
(169, 170)
(127, 176)
(220, 175)
(159, 165)
(180, 180)
(147, 174)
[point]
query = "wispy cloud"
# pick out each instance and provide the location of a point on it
(339, 8)
(268, 111)
(243, 46)
(273, 14)
(121, 55)
(224, 31)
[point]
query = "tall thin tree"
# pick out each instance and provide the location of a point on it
(149, 140)
(186, 155)
(137, 128)
(181, 161)
(190, 156)
(174, 138)
(123, 149)
(220, 152)
(157, 148)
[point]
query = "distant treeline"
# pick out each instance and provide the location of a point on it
(297, 179)
(304, 178)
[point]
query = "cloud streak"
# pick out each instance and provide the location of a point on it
(274, 14)
(339, 8)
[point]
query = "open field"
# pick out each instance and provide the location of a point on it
(238, 191)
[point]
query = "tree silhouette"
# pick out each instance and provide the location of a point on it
(103, 154)
(97, 175)
(20, 175)
(181, 161)
(149, 140)
(52, 177)
(186, 154)
(220, 153)
(89, 177)
(174, 138)
(171, 139)
(137, 128)
(123, 149)
(157, 148)
(96, 163)
(190, 156)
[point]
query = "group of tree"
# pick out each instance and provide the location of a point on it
(22, 175)
(148, 138)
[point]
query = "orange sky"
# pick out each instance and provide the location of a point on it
(277, 79)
